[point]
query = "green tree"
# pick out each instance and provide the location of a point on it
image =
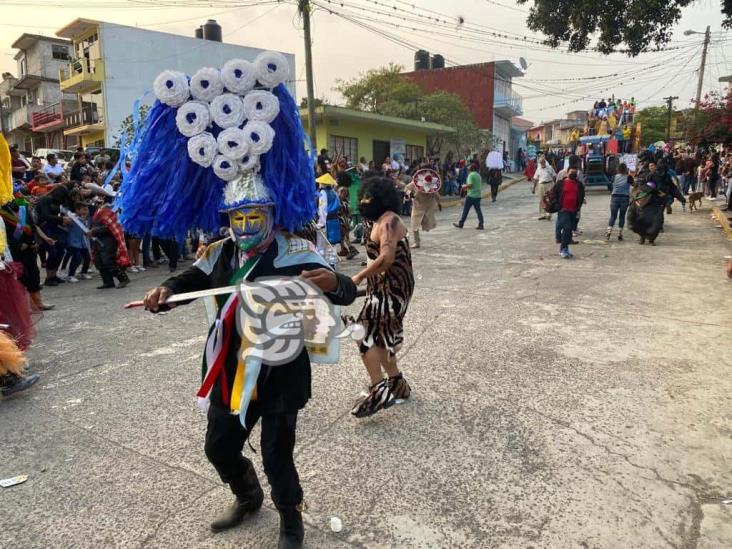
(639, 25)
(386, 91)
(711, 121)
(127, 127)
(653, 121)
(380, 90)
(317, 102)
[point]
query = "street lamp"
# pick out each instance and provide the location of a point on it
(690, 32)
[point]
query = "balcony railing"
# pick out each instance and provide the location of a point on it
(88, 115)
(51, 116)
(508, 99)
(82, 75)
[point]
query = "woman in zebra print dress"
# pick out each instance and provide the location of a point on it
(389, 284)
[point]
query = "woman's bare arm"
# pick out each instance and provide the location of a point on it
(389, 232)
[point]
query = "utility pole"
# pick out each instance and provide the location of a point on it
(670, 105)
(304, 8)
(707, 36)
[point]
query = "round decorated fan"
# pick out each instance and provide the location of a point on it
(427, 181)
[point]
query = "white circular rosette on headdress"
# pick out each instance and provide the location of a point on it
(227, 110)
(259, 135)
(261, 105)
(239, 76)
(225, 168)
(171, 88)
(271, 68)
(206, 84)
(248, 163)
(233, 143)
(192, 118)
(202, 149)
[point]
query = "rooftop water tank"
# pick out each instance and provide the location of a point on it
(438, 62)
(212, 31)
(422, 60)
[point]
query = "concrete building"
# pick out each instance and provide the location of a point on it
(355, 134)
(485, 88)
(114, 65)
(519, 139)
(32, 102)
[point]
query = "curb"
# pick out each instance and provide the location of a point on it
(458, 201)
(723, 221)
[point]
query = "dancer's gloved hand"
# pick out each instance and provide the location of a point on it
(325, 279)
(155, 300)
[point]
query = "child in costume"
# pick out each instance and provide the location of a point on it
(329, 232)
(110, 250)
(248, 145)
(389, 287)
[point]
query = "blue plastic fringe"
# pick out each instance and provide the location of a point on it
(165, 193)
(288, 168)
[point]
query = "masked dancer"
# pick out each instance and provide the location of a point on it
(424, 192)
(389, 286)
(649, 199)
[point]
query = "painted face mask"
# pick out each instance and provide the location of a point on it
(250, 227)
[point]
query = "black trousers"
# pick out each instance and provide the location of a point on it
(31, 278)
(225, 440)
(169, 248)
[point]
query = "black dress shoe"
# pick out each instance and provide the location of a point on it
(50, 282)
(235, 514)
(105, 286)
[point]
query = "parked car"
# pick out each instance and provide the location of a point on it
(64, 156)
(92, 152)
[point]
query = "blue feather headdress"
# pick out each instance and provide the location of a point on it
(218, 141)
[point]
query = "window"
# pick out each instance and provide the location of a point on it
(60, 52)
(343, 146)
(23, 66)
(413, 152)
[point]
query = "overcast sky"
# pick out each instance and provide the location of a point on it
(342, 49)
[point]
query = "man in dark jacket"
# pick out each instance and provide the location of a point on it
(570, 195)
(281, 391)
(52, 225)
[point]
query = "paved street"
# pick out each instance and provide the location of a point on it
(556, 404)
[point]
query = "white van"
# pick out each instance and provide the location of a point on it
(63, 156)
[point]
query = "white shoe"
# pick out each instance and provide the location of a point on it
(141, 269)
(62, 273)
(72, 279)
(134, 269)
(85, 276)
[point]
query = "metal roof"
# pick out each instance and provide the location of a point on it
(26, 40)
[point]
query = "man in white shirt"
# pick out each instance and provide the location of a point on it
(544, 177)
(52, 168)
